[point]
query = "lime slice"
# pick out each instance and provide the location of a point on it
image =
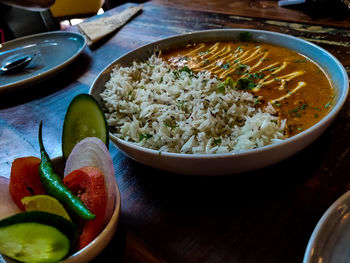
(84, 118)
(44, 203)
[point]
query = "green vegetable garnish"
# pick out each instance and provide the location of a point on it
(217, 141)
(256, 75)
(55, 187)
(144, 136)
(36, 237)
(229, 82)
(241, 69)
(186, 69)
(226, 66)
(296, 112)
(245, 83)
(84, 118)
(221, 88)
(328, 104)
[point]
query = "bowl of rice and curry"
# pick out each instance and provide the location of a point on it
(220, 101)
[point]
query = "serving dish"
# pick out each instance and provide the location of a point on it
(329, 242)
(236, 162)
(89, 252)
(51, 51)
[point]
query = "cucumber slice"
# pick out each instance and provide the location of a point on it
(36, 237)
(84, 118)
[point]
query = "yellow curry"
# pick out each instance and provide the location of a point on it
(298, 89)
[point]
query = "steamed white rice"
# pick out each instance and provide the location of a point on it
(154, 106)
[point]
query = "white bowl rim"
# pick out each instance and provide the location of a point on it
(91, 247)
(334, 111)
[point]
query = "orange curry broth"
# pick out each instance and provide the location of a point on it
(297, 88)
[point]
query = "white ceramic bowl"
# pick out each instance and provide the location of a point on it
(228, 163)
(89, 252)
(329, 242)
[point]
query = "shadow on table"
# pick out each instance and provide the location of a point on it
(251, 210)
(238, 190)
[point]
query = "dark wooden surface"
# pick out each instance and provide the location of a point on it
(316, 12)
(264, 216)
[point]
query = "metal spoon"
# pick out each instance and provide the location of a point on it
(16, 63)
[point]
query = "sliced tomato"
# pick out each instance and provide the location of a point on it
(88, 183)
(24, 179)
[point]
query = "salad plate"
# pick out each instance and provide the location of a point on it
(51, 52)
(93, 249)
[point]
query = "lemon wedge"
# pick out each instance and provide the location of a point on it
(44, 203)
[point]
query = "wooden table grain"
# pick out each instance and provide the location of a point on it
(263, 216)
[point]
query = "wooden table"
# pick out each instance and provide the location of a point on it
(263, 216)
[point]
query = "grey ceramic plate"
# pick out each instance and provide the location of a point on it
(329, 242)
(53, 51)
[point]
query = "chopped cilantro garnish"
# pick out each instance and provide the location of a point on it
(226, 66)
(328, 104)
(256, 75)
(303, 107)
(296, 112)
(202, 53)
(229, 81)
(239, 48)
(186, 69)
(144, 136)
(245, 83)
(176, 73)
(273, 69)
(152, 66)
(183, 58)
(241, 69)
(257, 101)
(180, 104)
(217, 141)
(221, 88)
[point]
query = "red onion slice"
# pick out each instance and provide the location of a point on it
(92, 151)
(7, 206)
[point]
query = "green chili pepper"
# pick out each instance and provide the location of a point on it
(55, 187)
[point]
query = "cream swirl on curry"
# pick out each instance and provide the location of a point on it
(296, 86)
